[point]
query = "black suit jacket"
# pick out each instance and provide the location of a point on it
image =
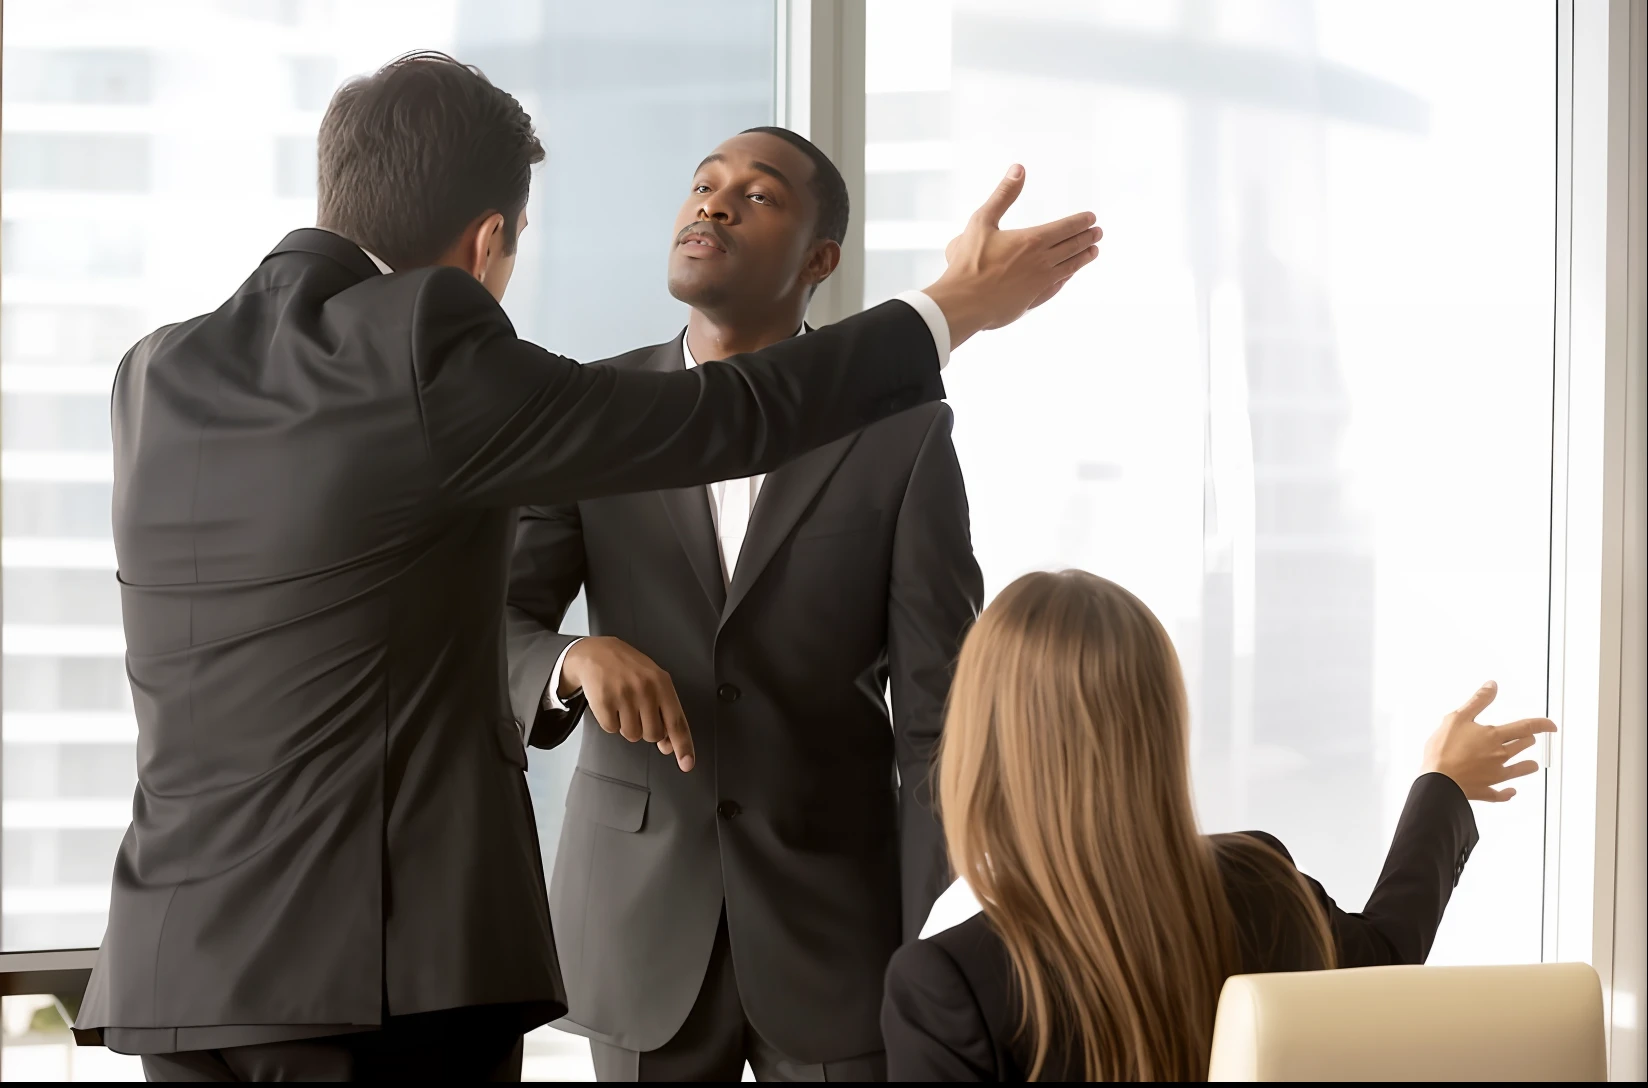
(951, 1013)
(313, 513)
(809, 810)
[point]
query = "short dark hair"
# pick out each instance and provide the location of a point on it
(834, 208)
(413, 153)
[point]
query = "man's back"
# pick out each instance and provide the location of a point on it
(277, 512)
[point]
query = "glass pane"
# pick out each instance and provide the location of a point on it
(149, 164)
(38, 1047)
(1302, 403)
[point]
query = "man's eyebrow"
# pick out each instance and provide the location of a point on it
(765, 168)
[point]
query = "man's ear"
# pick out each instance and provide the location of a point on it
(488, 244)
(821, 262)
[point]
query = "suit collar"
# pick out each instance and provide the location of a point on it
(689, 507)
(686, 351)
(785, 498)
(324, 243)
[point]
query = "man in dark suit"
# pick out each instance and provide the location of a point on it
(747, 911)
(331, 870)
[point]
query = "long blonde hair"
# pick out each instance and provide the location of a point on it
(1064, 784)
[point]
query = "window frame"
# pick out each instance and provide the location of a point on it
(1594, 825)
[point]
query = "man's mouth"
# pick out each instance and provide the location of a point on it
(702, 241)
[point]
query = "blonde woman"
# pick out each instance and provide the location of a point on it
(1109, 920)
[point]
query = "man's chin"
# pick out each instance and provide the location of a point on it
(697, 291)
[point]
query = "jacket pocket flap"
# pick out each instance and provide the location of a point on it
(619, 805)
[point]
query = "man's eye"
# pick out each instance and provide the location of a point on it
(760, 198)
(700, 188)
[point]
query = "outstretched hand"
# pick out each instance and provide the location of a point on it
(995, 275)
(1475, 755)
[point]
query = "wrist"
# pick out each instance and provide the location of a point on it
(570, 682)
(960, 311)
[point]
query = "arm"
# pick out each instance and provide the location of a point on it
(507, 424)
(1434, 836)
(931, 1022)
(1464, 762)
(934, 595)
(545, 575)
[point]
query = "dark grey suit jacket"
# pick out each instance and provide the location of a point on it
(809, 809)
(313, 513)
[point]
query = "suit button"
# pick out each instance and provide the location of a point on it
(727, 810)
(728, 693)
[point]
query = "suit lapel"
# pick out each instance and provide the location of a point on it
(689, 507)
(786, 494)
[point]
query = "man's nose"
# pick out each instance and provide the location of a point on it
(716, 209)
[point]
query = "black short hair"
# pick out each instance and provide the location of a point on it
(413, 153)
(834, 207)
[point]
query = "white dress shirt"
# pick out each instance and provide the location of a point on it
(375, 259)
(955, 906)
(732, 501)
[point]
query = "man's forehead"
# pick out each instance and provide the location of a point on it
(762, 148)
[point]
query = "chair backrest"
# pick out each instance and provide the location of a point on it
(1535, 1022)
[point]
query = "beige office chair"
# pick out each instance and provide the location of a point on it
(1536, 1022)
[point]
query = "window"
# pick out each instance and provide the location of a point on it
(295, 167)
(95, 162)
(103, 76)
(1301, 405)
(149, 164)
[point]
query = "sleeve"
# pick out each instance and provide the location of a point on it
(934, 592)
(552, 689)
(1434, 836)
(506, 423)
(545, 575)
(930, 1021)
(937, 324)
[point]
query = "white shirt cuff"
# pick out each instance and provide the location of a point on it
(936, 323)
(552, 690)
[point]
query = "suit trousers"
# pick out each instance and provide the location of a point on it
(717, 1039)
(458, 1045)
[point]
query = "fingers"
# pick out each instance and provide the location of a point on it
(1477, 703)
(1518, 770)
(1050, 292)
(1520, 744)
(1061, 230)
(1499, 795)
(991, 211)
(1078, 261)
(629, 722)
(604, 716)
(680, 737)
(1075, 244)
(1527, 727)
(653, 715)
(652, 723)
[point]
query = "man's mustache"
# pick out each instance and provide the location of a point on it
(712, 230)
